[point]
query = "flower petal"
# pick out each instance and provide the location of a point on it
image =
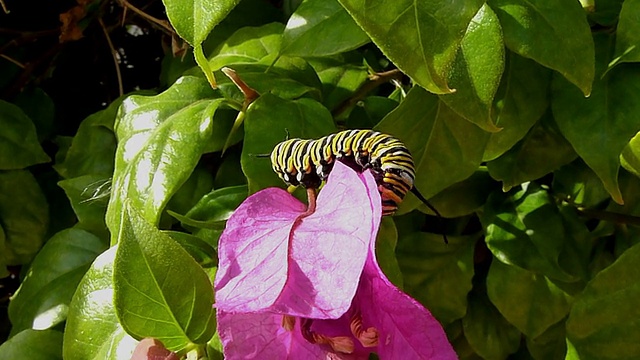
(254, 251)
(261, 336)
(330, 246)
(406, 329)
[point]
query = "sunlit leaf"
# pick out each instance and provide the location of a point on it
(194, 19)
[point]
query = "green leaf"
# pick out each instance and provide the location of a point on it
(161, 139)
(537, 29)
(477, 69)
(24, 216)
(92, 331)
(437, 274)
(579, 184)
(93, 146)
(42, 301)
(487, 331)
(33, 345)
(534, 303)
(406, 27)
(19, 146)
(268, 120)
(197, 185)
(606, 12)
(218, 205)
(465, 197)
(370, 111)
(194, 19)
(230, 172)
(446, 148)
(542, 151)
(628, 34)
(551, 344)
(321, 28)
(524, 229)
(201, 251)
(341, 76)
(604, 320)
(386, 242)
(599, 127)
(521, 100)
(39, 107)
(249, 45)
(630, 157)
(89, 196)
(159, 289)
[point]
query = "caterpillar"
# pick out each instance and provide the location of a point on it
(309, 162)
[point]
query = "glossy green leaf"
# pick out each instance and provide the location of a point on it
(92, 331)
(542, 151)
(487, 331)
(19, 146)
(604, 319)
(218, 205)
(446, 148)
(537, 29)
(42, 301)
(465, 197)
(405, 27)
(599, 127)
(201, 251)
(477, 69)
(579, 184)
(437, 274)
(321, 28)
(341, 76)
(160, 139)
(524, 229)
(33, 345)
(89, 196)
(628, 33)
(386, 242)
(194, 19)
(24, 216)
(249, 45)
(93, 146)
(159, 289)
(533, 303)
(268, 120)
(521, 100)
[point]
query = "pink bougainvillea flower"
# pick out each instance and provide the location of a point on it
(273, 259)
(312, 300)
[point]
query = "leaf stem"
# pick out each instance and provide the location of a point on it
(375, 80)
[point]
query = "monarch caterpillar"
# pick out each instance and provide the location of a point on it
(309, 162)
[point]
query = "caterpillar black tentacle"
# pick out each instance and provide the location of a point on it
(308, 163)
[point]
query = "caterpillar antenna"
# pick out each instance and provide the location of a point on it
(260, 155)
(426, 202)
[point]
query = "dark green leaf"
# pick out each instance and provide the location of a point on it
(437, 274)
(487, 331)
(92, 331)
(537, 29)
(446, 148)
(19, 145)
(542, 151)
(524, 229)
(477, 69)
(40, 108)
(197, 185)
(268, 120)
(599, 127)
(159, 289)
(33, 345)
(605, 13)
(527, 300)
(321, 28)
(521, 100)
(194, 19)
(405, 27)
(551, 344)
(201, 251)
(161, 139)
(42, 301)
(465, 197)
(386, 251)
(24, 216)
(89, 196)
(341, 76)
(249, 45)
(579, 184)
(604, 321)
(628, 33)
(370, 111)
(218, 205)
(93, 146)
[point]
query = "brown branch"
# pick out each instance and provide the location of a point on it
(375, 80)
(29, 68)
(609, 216)
(16, 62)
(162, 23)
(114, 55)
(4, 7)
